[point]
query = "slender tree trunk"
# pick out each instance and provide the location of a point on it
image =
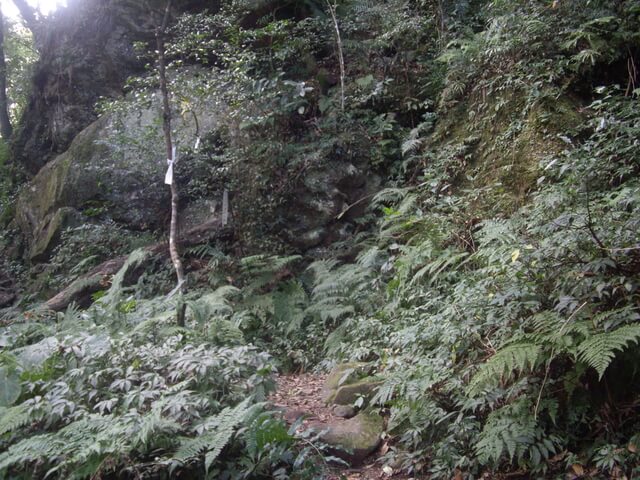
(442, 25)
(332, 11)
(5, 123)
(166, 127)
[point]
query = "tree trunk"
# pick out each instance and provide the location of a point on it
(5, 123)
(166, 127)
(332, 11)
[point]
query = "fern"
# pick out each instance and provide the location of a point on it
(389, 196)
(212, 442)
(511, 433)
(517, 357)
(446, 260)
(13, 418)
(261, 271)
(113, 295)
(599, 350)
(215, 303)
(370, 258)
(29, 450)
(288, 306)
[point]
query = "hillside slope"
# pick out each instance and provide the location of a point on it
(441, 194)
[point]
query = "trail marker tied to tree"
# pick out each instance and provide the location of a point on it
(168, 178)
(171, 160)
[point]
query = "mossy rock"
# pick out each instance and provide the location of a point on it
(356, 438)
(51, 227)
(101, 171)
(348, 394)
(343, 374)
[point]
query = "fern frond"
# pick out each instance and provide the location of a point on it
(14, 418)
(212, 442)
(509, 430)
(410, 145)
(112, 297)
(369, 258)
(434, 268)
(263, 269)
(599, 350)
(153, 427)
(517, 357)
(512, 434)
(29, 450)
(331, 308)
(389, 195)
(288, 306)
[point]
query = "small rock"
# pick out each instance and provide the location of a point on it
(344, 411)
(291, 415)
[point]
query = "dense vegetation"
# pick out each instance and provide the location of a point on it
(492, 279)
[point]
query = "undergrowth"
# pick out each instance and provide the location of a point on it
(493, 283)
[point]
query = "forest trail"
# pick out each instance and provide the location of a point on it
(300, 395)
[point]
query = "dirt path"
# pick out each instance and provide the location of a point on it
(300, 396)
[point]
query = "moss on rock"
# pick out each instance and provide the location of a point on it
(342, 374)
(355, 438)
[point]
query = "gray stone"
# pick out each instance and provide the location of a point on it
(334, 191)
(341, 374)
(344, 411)
(291, 415)
(348, 394)
(310, 238)
(199, 212)
(85, 52)
(356, 438)
(97, 174)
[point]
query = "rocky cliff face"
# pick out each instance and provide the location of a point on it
(86, 52)
(97, 178)
(82, 175)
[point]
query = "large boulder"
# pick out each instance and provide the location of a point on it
(113, 169)
(86, 53)
(330, 195)
(348, 394)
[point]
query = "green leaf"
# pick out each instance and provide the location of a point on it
(364, 82)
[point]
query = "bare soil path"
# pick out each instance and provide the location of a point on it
(299, 395)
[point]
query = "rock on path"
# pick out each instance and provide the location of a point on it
(301, 396)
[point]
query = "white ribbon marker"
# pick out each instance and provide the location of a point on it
(168, 178)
